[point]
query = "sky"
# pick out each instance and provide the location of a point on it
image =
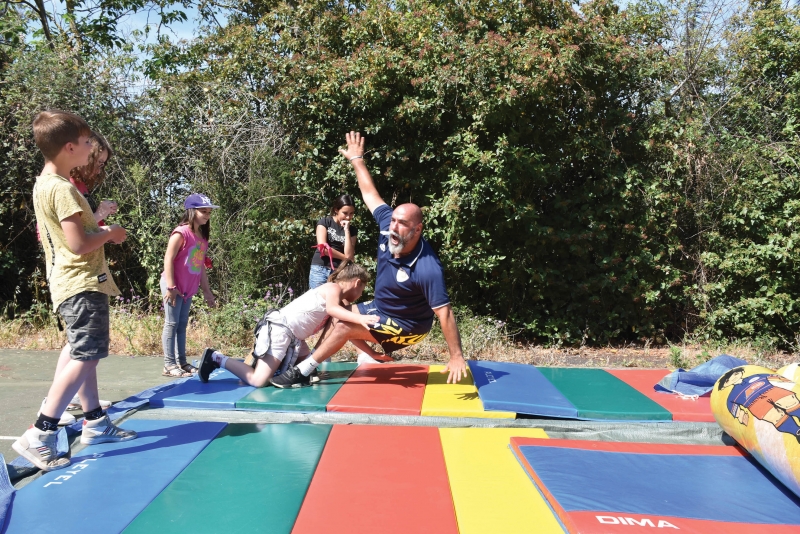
(177, 31)
(138, 21)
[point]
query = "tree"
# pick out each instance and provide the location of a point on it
(519, 129)
(95, 23)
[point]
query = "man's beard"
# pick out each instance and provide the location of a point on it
(401, 241)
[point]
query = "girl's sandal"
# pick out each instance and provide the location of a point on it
(189, 368)
(173, 371)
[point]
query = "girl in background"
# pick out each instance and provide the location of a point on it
(89, 177)
(184, 272)
(336, 241)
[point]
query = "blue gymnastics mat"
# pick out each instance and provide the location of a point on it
(108, 485)
(515, 387)
(601, 487)
(220, 393)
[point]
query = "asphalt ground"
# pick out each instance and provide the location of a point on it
(26, 375)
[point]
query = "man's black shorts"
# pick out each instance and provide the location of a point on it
(392, 334)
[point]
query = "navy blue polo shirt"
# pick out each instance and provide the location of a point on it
(408, 288)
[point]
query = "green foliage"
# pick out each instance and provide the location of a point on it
(519, 129)
(34, 79)
(676, 358)
(586, 175)
(742, 179)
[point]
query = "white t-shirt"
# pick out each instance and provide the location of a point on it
(306, 314)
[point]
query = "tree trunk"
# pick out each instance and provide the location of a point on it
(76, 34)
(42, 12)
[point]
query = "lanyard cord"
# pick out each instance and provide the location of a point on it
(325, 250)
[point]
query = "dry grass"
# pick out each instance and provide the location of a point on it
(139, 333)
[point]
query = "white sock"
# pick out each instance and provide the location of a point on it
(326, 360)
(33, 436)
(219, 358)
(307, 366)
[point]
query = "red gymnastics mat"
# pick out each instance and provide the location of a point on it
(682, 409)
(387, 479)
(386, 389)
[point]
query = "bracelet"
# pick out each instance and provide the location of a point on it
(356, 157)
(173, 288)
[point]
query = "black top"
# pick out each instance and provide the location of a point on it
(335, 240)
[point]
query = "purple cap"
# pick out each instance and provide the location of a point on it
(196, 200)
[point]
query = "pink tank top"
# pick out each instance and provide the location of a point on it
(188, 264)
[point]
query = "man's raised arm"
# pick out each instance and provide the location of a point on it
(355, 155)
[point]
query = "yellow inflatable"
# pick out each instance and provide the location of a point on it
(760, 409)
(791, 371)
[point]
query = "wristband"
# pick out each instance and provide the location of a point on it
(356, 157)
(173, 288)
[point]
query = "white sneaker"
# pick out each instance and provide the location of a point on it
(104, 431)
(75, 404)
(66, 417)
(363, 358)
(40, 447)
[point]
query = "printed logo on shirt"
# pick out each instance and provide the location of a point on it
(333, 236)
(196, 259)
(102, 277)
(383, 247)
(402, 275)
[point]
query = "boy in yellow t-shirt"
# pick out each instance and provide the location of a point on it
(80, 285)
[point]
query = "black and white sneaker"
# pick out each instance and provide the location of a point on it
(207, 365)
(291, 378)
(315, 377)
(40, 447)
(104, 431)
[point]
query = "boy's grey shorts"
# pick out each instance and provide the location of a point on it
(86, 317)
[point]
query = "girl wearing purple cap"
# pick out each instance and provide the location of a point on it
(184, 272)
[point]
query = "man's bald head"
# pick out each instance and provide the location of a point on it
(410, 212)
(405, 229)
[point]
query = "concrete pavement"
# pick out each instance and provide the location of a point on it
(26, 375)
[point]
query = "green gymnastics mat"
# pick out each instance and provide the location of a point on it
(311, 399)
(598, 394)
(251, 478)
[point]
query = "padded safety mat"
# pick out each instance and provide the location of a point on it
(681, 408)
(600, 395)
(455, 400)
(606, 487)
(252, 478)
(387, 479)
(490, 492)
(310, 399)
(519, 388)
(107, 485)
(387, 389)
(220, 393)
(572, 393)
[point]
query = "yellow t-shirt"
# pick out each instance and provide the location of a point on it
(55, 199)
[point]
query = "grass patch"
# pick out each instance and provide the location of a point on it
(136, 326)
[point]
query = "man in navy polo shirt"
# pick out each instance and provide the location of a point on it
(409, 287)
